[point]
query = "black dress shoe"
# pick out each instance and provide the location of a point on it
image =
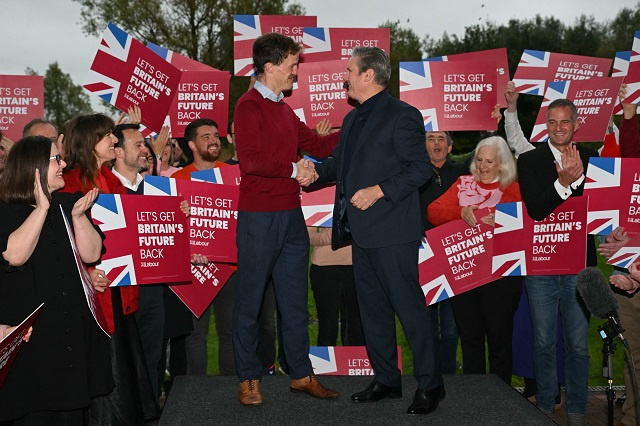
(377, 391)
(425, 401)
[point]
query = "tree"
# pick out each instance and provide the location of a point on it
(405, 46)
(199, 29)
(63, 99)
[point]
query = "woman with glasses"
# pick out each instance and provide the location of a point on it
(89, 145)
(65, 365)
(485, 312)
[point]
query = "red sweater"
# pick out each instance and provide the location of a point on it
(629, 138)
(466, 191)
(268, 137)
(108, 183)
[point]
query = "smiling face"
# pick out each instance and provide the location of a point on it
(487, 164)
(438, 148)
(279, 78)
(207, 143)
(104, 150)
(561, 127)
(54, 174)
(135, 152)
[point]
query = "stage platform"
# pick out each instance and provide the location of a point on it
(471, 400)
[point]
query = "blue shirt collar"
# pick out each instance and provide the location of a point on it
(267, 93)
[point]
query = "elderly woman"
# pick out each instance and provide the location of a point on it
(89, 145)
(66, 363)
(486, 311)
(5, 147)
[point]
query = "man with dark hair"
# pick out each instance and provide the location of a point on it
(272, 236)
(378, 166)
(548, 176)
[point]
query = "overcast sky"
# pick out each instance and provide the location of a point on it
(36, 33)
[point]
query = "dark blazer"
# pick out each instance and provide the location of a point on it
(536, 175)
(390, 152)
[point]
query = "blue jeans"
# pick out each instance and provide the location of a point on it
(445, 327)
(547, 294)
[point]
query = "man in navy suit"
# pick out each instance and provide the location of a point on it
(378, 165)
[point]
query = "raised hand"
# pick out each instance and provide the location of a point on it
(572, 167)
(511, 96)
(186, 209)
(42, 202)
(159, 143)
(323, 127)
(84, 203)
(199, 259)
(617, 239)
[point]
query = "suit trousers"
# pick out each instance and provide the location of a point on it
(272, 244)
(387, 285)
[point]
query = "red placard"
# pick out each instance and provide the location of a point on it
(126, 73)
(594, 100)
(627, 65)
(556, 245)
(247, 28)
(214, 214)
(537, 69)
(317, 206)
(455, 258)
(628, 254)
(206, 283)
(10, 345)
(321, 92)
(179, 61)
(497, 55)
(201, 94)
(343, 360)
(458, 95)
(228, 175)
(329, 44)
(146, 239)
(21, 100)
(613, 188)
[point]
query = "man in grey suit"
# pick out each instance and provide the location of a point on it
(378, 165)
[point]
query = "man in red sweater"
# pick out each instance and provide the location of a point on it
(272, 237)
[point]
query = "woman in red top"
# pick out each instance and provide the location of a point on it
(89, 144)
(486, 311)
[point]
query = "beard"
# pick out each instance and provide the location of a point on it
(207, 156)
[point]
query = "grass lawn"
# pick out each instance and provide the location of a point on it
(595, 345)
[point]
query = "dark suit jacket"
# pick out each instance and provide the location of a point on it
(536, 175)
(390, 152)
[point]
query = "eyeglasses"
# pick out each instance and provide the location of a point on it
(150, 159)
(56, 157)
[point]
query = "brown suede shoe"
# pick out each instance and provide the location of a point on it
(249, 393)
(310, 385)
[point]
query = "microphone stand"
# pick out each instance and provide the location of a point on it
(608, 349)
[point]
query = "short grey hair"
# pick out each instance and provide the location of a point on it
(375, 59)
(564, 103)
(507, 170)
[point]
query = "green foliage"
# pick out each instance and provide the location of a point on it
(405, 46)
(63, 99)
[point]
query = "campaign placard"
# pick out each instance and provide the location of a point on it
(317, 206)
(294, 100)
(10, 345)
(206, 282)
(556, 245)
(457, 95)
(330, 44)
(627, 255)
(455, 258)
(214, 214)
(497, 55)
(87, 285)
(343, 360)
(201, 94)
(537, 69)
(594, 100)
(21, 100)
(627, 64)
(613, 188)
(229, 175)
(247, 28)
(179, 61)
(321, 90)
(126, 73)
(146, 239)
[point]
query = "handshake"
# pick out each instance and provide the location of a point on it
(306, 172)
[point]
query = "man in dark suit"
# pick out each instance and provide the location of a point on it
(378, 165)
(549, 175)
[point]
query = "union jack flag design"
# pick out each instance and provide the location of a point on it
(323, 359)
(603, 175)
(621, 64)
(537, 69)
(632, 74)
(330, 44)
(317, 206)
(509, 221)
(229, 175)
(247, 28)
(159, 185)
(435, 290)
(624, 257)
(123, 74)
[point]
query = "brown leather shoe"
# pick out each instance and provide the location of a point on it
(311, 386)
(249, 393)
